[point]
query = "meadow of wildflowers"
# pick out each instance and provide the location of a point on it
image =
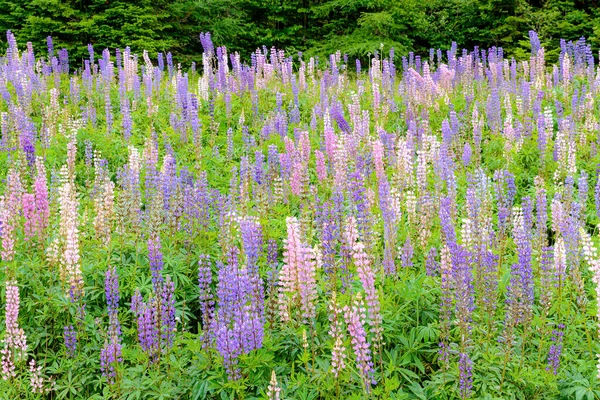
(421, 227)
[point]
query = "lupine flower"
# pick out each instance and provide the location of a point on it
(167, 314)
(465, 367)
(15, 341)
(148, 328)
(297, 282)
(367, 277)
(110, 355)
(104, 205)
(355, 321)
(204, 284)
(36, 380)
(338, 352)
(320, 165)
(446, 307)
(431, 265)
(70, 338)
(69, 231)
(156, 262)
(29, 213)
(555, 349)
(274, 390)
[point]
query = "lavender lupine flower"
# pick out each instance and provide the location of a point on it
(466, 156)
(555, 349)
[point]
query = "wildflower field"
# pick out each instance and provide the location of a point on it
(419, 227)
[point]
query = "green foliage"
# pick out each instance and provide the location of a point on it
(318, 27)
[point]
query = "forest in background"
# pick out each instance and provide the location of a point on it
(315, 27)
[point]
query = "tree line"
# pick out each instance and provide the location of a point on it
(314, 27)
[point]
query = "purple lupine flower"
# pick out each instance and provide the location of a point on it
(431, 265)
(505, 192)
(206, 296)
(337, 113)
(50, 47)
(555, 349)
(597, 192)
(238, 323)
(167, 314)
(70, 338)
(534, 41)
(207, 43)
(362, 212)
(111, 354)
(148, 332)
(252, 240)
(330, 235)
(111, 287)
(462, 276)
(465, 368)
(407, 254)
(446, 306)
(110, 357)
(583, 189)
(156, 262)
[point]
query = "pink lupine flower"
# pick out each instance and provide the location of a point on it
(15, 341)
(355, 320)
(367, 277)
(69, 231)
(307, 283)
(338, 352)
(37, 382)
(8, 234)
(320, 165)
(29, 212)
(298, 178)
(297, 279)
(288, 276)
(104, 205)
(41, 200)
(378, 158)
